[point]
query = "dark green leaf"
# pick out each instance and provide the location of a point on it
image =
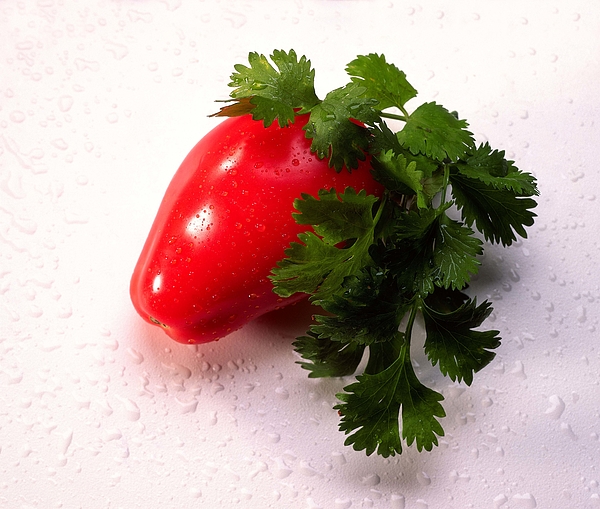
(369, 311)
(381, 80)
(274, 93)
(317, 266)
(494, 170)
(496, 212)
(370, 410)
(454, 344)
(432, 130)
(334, 134)
(455, 253)
(328, 358)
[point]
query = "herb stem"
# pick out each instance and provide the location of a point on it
(445, 184)
(411, 321)
(393, 116)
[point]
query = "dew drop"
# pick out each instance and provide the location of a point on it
(60, 144)
(17, 116)
(65, 102)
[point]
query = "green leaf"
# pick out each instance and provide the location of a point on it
(370, 410)
(334, 134)
(381, 80)
(399, 175)
(490, 167)
(454, 344)
(317, 266)
(336, 219)
(496, 212)
(273, 93)
(455, 253)
(328, 358)
(369, 311)
(432, 130)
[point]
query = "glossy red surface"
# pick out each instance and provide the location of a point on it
(224, 222)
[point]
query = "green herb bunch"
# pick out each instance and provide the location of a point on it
(374, 264)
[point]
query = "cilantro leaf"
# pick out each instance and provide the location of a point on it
(494, 170)
(432, 130)
(327, 357)
(454, 344)
(337, 219)
(498, 213)
(273, 93)
(382, 81)
(401, 176)
(316, 265)
(369, 311)
(455, 253)
(334, 134)
(371, 408)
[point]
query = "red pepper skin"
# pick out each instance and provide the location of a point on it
(224, 223)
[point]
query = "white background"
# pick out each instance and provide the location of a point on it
(99, 103)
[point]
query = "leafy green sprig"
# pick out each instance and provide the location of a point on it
(374, 264)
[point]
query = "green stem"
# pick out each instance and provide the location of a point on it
(445, 184)
(411, 322)
(393, 116)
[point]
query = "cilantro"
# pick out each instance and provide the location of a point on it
(383, 82)
(317, 265)
(453, 343)
(374, 264)
(433, 131)
(333, 134)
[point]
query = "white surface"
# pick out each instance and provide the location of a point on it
(99, 103)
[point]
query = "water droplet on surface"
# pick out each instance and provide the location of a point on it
(17, 116)
(65, 103)
(556, 408)
(525, 501)
(423, 479)
(195, 492)
(60, 144)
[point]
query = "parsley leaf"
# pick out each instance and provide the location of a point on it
(432, 130)
(399, 174)
(371, 406)
(335, 134)
(494, 170)
(382, 81)
(273, 93)
(497, 212)
(328, 358)
(454, 344)
(369, 311)
(317, 266)
(455, 253)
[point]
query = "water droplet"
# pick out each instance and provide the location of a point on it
(423, 479)
(195, 492)
(525, 501)
(112, 117)
(282, 393)
(500, 500)
(556, 408)
(17, 116)
(65, 103)
(295, 162)
(60, 144)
